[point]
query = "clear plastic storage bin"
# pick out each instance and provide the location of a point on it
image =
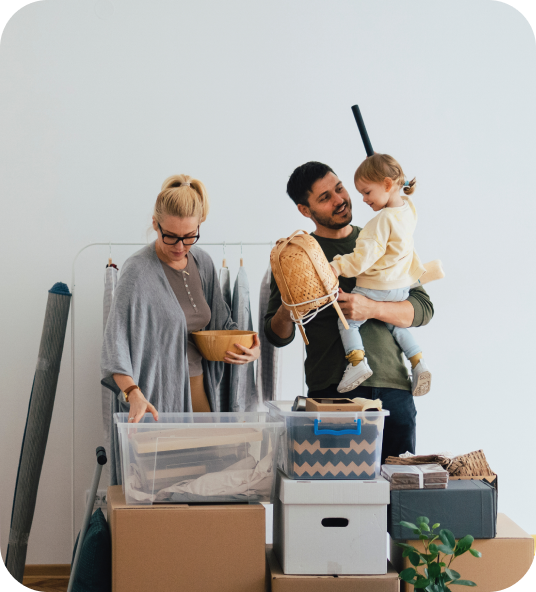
(199, 457)
(329, 445)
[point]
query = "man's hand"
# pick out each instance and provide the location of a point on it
(281, 323)
(357, 307)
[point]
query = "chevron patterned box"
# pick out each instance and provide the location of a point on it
(331, 527)
(329, 445)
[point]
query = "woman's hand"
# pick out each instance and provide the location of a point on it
(249, 355)
(139, 406)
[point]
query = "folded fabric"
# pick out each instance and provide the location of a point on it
(245, 480)
(429, 476)
(246, 477)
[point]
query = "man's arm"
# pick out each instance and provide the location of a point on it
(416, 311)
(278, 326)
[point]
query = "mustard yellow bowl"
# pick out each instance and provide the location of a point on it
(214, 344)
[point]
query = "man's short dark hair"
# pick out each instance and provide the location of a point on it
(303, 178)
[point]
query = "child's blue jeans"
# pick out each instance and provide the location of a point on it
(351, 338)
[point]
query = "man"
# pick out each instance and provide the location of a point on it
(321, 196)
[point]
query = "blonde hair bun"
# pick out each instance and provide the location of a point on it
(182, 196)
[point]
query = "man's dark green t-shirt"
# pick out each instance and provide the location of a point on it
(325, 362)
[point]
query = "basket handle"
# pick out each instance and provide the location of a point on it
(356, 432)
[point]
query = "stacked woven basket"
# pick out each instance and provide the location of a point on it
(465, 465)
(304, 278)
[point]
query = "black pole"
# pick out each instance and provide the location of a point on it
(362, 130)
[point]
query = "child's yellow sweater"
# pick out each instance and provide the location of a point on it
(383, 258)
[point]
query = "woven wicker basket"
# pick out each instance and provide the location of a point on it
(474, 463)
(304, 277)
(465, 465)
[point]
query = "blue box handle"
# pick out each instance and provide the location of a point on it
(356, 432)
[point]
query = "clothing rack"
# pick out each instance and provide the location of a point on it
(73, 301)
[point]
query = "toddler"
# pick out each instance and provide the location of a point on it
(384, 264)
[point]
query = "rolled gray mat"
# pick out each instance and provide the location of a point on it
(37, 427)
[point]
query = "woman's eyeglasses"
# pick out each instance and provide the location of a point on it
(169, 239)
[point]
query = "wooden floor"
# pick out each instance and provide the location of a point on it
(47, 578)
(46, 584)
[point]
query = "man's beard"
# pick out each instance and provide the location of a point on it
(328, 221)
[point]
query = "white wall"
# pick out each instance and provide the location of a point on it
(96, 110)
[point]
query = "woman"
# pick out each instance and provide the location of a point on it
(167, 290)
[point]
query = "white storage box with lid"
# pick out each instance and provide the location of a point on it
(198, 457)
(331, 444)
(331, 527)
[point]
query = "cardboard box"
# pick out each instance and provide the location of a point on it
(331, 527)
(277, 581)
(195, 548)
(505, 559)
(465, 507)
(323, 404)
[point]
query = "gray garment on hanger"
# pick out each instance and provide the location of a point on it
(110, 282)
(146, 337)
(269, 371)
(224, 387)
(225, 283)
(243, 392)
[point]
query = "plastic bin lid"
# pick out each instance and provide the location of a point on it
(334, 491)
(205, 420)
(284, 409)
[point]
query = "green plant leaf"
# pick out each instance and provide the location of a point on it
(414, 559)
(445, 549)
(417, 531)
(453, 575)
(408, 525)
(447, 538)
(463, 583)
(432, 548)
(408, 574)
(425, 527)
(422, 520)
(436, 525)
(421, 584)
(463, 546)
(433, 571)
(475, 553)
(442, 564)
(423, 537)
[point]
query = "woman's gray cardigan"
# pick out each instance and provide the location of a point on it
(146, 338)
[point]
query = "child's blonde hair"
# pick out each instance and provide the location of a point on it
(182, 196)
(377, 167)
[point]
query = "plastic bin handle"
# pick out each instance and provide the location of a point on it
(355, 432)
